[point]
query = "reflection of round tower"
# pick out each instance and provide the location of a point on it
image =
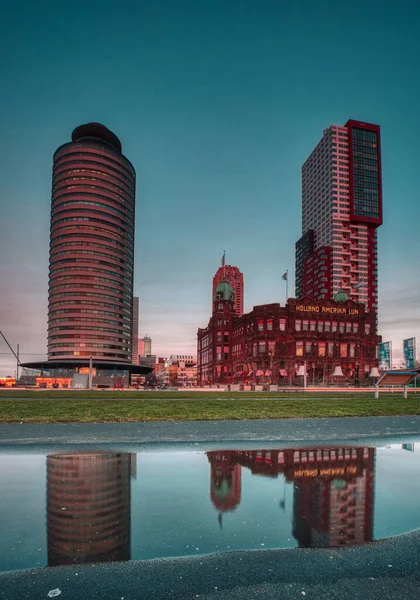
(225, 487)
(88, 508)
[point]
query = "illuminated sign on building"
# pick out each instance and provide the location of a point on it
(327, 309)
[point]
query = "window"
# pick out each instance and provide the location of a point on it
(334, 326)
(219, 336)
(330, 349)
(312, 326)
(343, 350)
(254, 349)
(321, 348)
(298, 325)
(355, 327)
(342, 326)
(226, 336)
(308, 348)
(327, 326)
(299, 348)
(352, 350)
(282, 325)
(320, 326)
(348, 327)
(260, 325)
(220, 306)
(305, 325)
(271, 347)
(261, 348)
(269, 324)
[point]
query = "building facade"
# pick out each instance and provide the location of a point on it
(179, 370)
(269, 344)
(91, 249)
(341, 210)
(145, 346)
(235, 279)
(135, 332)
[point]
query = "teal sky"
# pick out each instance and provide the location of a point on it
(217, 105)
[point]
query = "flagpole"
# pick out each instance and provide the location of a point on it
(287, 284)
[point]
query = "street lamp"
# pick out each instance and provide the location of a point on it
(302, 373)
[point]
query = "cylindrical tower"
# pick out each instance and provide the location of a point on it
(91, 248)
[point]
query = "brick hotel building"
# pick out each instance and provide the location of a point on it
(341, 210)
(268, 344)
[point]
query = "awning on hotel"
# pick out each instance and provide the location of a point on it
(259, 373)
(282, 372)
(268, 373)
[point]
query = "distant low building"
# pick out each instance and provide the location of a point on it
(179, 370)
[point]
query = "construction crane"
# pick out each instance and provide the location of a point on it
(15, 354)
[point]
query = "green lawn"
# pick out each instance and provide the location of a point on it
(176, 407)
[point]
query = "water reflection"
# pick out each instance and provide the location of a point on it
(89, 507)
(95, 508)
(333, 492)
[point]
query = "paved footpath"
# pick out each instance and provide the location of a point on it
(209, 434)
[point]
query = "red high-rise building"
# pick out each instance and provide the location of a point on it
(235, 279)
(91, 249)
(341, 209)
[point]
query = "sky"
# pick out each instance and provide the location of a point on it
(217, 105)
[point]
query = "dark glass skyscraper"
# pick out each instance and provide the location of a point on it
(91, 248)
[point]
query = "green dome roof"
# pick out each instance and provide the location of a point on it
(224, 292)
(341, 296)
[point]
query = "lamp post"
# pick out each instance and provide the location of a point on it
(302, 373)
(356, 375)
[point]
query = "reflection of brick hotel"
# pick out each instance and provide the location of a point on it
(333, 493)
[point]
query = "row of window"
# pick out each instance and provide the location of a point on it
(88, 311)
(107, 207)
(75, 229)
(90, 345)
(95, 269)
(59, 211)
(111, 245)
(92, 286)
(102, 321)
(124, 184)
(79, 179)
(54, 262)
(128, 263)
(113, 355)
(100, 160)
(126, 233)
(54, 295)
(84, 328)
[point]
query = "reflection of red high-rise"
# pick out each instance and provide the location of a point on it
(333, 489)
(225, 474)
(88, 508)
(235, 279)
(335, 507)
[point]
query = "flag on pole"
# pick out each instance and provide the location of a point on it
(223, 258)
(285, 276)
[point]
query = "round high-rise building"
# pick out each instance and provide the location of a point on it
(91, 249)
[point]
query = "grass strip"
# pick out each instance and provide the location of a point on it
(203, 409)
